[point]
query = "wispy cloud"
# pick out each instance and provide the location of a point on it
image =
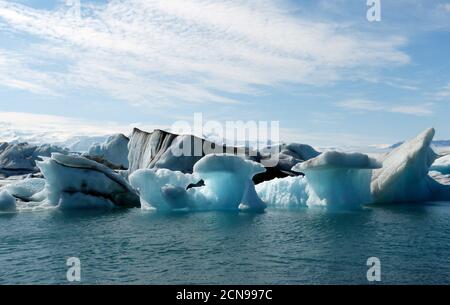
(364, 105)
(15, 73)
(40, 128)
(160, 53)
(443, 93)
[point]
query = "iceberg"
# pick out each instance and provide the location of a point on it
(228, 183)
(404, 174)
(114, 152)
(227, 180)
(157, 178)
(149, 182)
(7, 202)
(338, 179)
(442, 165)
(284, 193)
(332, 179)
(160, 149)
(21, 157)
(73, 182)
(156, 150)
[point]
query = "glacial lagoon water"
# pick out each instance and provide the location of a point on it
(310, 246)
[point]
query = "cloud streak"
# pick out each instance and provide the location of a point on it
(364, 105)
(165, 53)
(40, 128)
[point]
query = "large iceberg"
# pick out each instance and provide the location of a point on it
(228, 182)
(114, 152)
(227, 185)
(338, 178)
(74, 182)
(159, 178)
(404, 175)
(352, 179)
(162, 149)
(331, 179)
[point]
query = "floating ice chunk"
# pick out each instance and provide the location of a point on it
(114, 150)
(71, 179)
(404, 175)
(228, 185)
(149, 182)
(7, 202)
(286, 193)
(341, 179)
(227, 179)
(442, 165)
(27, 188)
(338, 178)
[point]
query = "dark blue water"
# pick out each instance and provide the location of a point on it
(278, 247)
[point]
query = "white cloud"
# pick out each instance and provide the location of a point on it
(159, 53)
(373, 106)
(40, 128)
(14, 73)
(443, 93)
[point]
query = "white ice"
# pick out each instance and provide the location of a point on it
(338, 178)
(114, 150)
(75, 182)
(26, 189)
(404, 175)
(148, 182)
(345, 179)
(442, 165)
(284, 193)
(228, 185)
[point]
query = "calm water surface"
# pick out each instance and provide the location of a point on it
(277, 247)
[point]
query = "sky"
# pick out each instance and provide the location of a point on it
(320, 68)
